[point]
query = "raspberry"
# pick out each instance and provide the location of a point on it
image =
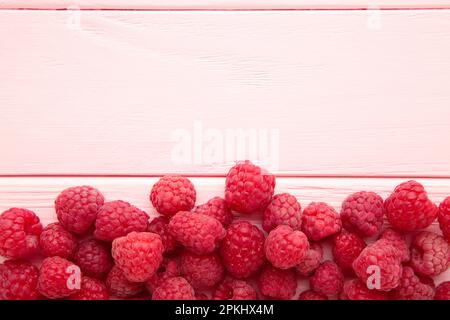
(242, 249)
(77, 208)
(201, 270)
(357, 290)
(311, 261)
(398, 241)
(118, 218)
(362, 213)
(160, 225)
(172, 194)
(119, 286)
(201, 296)
(19, 233)
(94, 258)
(443, 291)
(408, 207)
(216, 208)
(311, 295)
(430, 254)
(91, 289)
(285, 248)
(18, 280)
(233, 289)
(412, 287)
(176, 288)
(248, 188)
(327, 279)
(283, 209)
(276, 283)
(319, 221)
(138, 254)
(444, 218)
(346, 248)
(379, 259)
(199, 233)
(57, 278)
(56, 241)
(169, 268)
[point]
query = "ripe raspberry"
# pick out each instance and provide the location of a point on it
(201, 270)
(285, 248)
(199, 233)
(248, 188)
(233, 289)
(57, 278)
(311, 261)
(398, 241)
(311, 295)
(119, 286)
(346, 248)
(138, 254)
(276, 283)
(77, 208)
(283, 209)
(176, 288)
(383, 257)
(18, 280)
(357, 290)
(160, 225)
(56, 241)
(444, 218)
(430, 254)
(216, 208)
(242, 249)
(201, 296)
(327, 279)
(118, 218)
(408, 207)
(443, 291)
(412, 287)
(19, 233)
(172, 194)
(169, 268)
(362, 213)
(94, 258)
(91, 289)
(319, 221)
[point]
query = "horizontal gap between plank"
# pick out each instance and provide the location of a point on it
(446, 7)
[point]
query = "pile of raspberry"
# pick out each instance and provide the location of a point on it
(100, 250)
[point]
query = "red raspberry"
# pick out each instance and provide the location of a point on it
(430, 254)
(176, 288)
(18, 280)
(379, 261)
(311, 295)
(172, 194)
(412, 287)
(77, 208)
(138, 254)
(58, 278)
(201, 296)
(248, 188)
(199, 233)
(285, 248)
(216, 208)
(362, 213)
(276, 283)
(398, 241)
(19, 233)
(346, 248)
(242, 249)
(94, 258)
(91, 289)
(160, 225)
(319, 221)
(444, 218)
(57, 241)
(118, 218)
(119, 286)
(169, 268)
(357, 290)
(233, 289)
(408, 207)
(201, 270)
(283, 209)
(327, 280)
(311, 261)
(443, 291)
